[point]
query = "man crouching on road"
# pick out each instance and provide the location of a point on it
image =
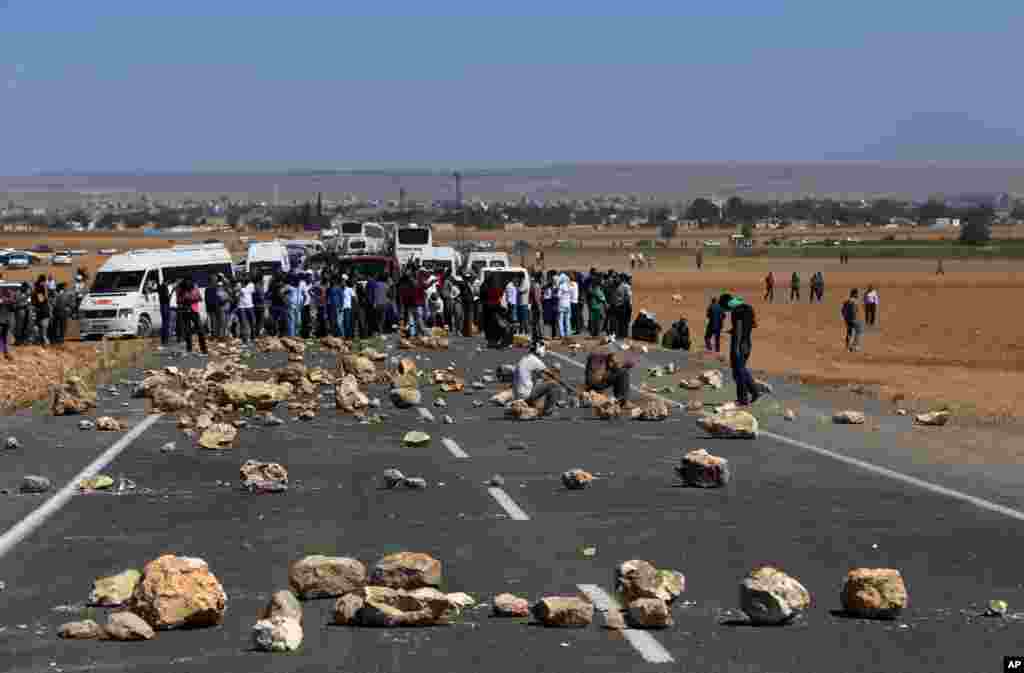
(610, 370)
(527, 388)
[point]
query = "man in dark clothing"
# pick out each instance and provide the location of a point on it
(609, 370)
(716, 316)
(212, 298)
(794, 287)
(854, 327)
(743, 324)
(769, 287)
(163, 293)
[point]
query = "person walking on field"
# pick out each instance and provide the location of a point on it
(939, 271)
(794, 287)
(740, 346)
(769, 288)
(716, 316)
(854, 327)
(700, 259)
(871, 306)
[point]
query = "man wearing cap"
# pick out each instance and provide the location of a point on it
(530, 390)
(743, 324)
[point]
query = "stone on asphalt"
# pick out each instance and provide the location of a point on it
(320, 576)
(407, 570)
(521, 410)
(848, 417)
(127, 626)
(404, 398)
(393, 478)
(72, 396)
(654, 410)
(86, 629)
(770, 596)
(254, 474)
(388, 607)
(270, 420)
(115, 590)
(730, 424)
(33, 483)
(12, 444)
(874, 593)
(346, 609)
(99, 482)
(711, 377)
(694, 406)
(259, 394)
(169, 447)
(283, 604)
(461, 600)
(613, 619)
(935, 418)
(996, 608)
(416, 438)
(703, 470)
(563, 611)
(86, 424)
(509, 605)
(576, 479)
(348, 397)
(477, 404)
(416, 483)
(178, 591)
(789, 415)
(218, 436)
(649, 613)
(447, 420)
(277, 634)
(497, 480)
(503, 398)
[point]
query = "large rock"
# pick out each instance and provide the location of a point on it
(407, 570)
(403, 398)
(937, 418)
(703, 470)
(154, 381)
(169, 400)
(269, 345)
(257, 475)
(283, 604)
(416, 438)
(346, 609)
(86, 629)
(770, 596)
(218, 436)
(848, 418)
(359, 366)
(127, 626)
(874, 593)
(178, 591)
(32, 483)
(294, 345)
(108, 424)
(640, 579)
(335, 344)
(654, 410)
(294, 374)
(387, 607)
(72, 397)
(348, 397)
(509, 605)
(115, 590)
(521, 410)
(713, 378)
(563, 611)
(731, 424)
(576, 479)
(503, 398)
(277, 634)
(325, 576)
(259, 394)
(406, 366)
(649, 613)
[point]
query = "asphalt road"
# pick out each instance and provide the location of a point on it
(813, 516)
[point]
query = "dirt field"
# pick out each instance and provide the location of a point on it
(940, 340)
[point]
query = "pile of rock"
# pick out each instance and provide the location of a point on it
(433, 343)
(73, 396)
(933, 418)
(848, 417)
(701, 469)
(262, 477)
(359, 366)
(171, 592)
(647, 594)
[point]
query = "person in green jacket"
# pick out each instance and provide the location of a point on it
(794, 287)
(597, 306)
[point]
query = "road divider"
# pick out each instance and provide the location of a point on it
(453, 448)
(508, 504)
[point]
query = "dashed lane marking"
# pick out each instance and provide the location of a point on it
(454, 448)
(981, 503)
(508, 504)
(425, 414)
(38, 516)
(650, 649)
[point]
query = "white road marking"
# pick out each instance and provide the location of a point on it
(643, 642)
(508, 504)
(981, 503)
(38, 516)
(455, 449)
(425, 414)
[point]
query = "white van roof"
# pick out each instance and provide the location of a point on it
(179, 255)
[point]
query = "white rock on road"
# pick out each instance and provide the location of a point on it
(770, 596)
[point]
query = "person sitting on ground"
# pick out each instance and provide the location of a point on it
(610, 370)
(678, 336)
(530, 390)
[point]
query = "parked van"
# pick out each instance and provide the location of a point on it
(266, 259)
(441, 258)
(486, 260)
(119, 304)
(514, 273)
(411, 240)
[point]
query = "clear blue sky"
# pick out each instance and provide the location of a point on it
(220, 84)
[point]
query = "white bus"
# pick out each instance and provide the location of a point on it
(119, 304)
(486, 260)
(441, 258)
(412, 240)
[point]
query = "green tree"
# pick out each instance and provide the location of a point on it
(747, 230)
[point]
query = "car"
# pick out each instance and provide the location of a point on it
(79, 253)
(108, 251)
(62, 258)
(19, 260)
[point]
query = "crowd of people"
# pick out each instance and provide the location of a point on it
(38, 313)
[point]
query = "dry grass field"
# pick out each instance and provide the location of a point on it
(953, 339)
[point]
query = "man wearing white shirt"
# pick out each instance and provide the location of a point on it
(574, 304)
(348, 294)
(523, 380)
(524, 305)
(564, 304)
(246, 314)
(304, 293)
